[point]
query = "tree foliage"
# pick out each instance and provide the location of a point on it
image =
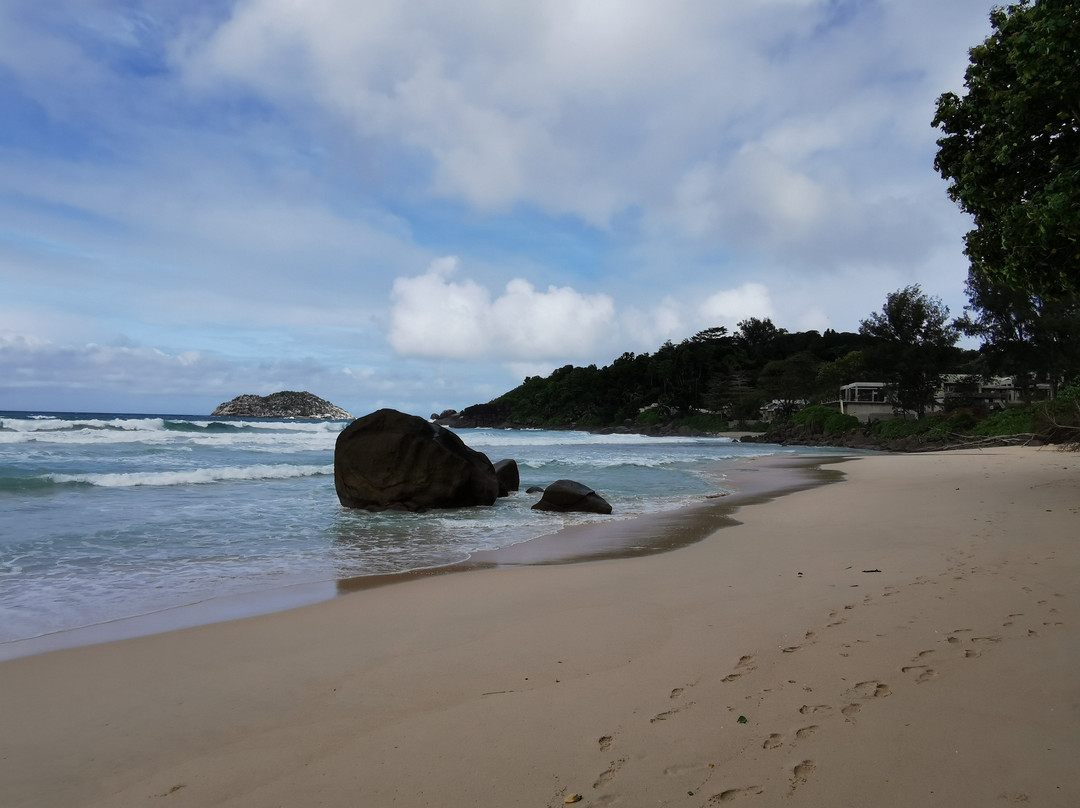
(915, 346)
(1011, 148)
(727, 375)
(1032, 339)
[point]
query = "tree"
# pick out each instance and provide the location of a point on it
(790, 381)
(1011, 148)
(915, 349)
(831, 376)
(1024, 335)
(717, 334)
(758, 336)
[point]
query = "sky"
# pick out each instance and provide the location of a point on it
(418, 204)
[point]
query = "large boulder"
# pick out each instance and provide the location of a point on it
(390, 460)
(567, 495)
(509, 476)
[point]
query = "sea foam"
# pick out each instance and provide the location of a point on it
(281, 471)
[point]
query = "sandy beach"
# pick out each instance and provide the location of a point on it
(907, 636)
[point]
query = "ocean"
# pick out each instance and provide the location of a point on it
(107, 516)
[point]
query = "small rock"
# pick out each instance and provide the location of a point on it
(507, 473)
(567, 495)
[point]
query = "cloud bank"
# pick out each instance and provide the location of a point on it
(265, 182)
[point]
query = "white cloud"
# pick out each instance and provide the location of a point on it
(758, 200)
(728, 307)
(646, 330)
(596, 108)
(435, 316)
(544, 104)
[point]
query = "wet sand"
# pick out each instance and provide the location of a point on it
(908, 636)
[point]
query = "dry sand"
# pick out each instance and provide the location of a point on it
(907, 637)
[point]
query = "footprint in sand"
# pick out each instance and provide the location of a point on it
(676, 693)
(734, 794)
(990, 639)
(971, 653)
(801, 773)
(605, 742)
(922, 673)
(609, 772)
(851, 710)
(872, 689)
(922, 654)
(791, 649)
(744, 665)
(773, 741)
(806, 732)
(815, 709)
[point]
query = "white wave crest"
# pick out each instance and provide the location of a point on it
(280, 471)
(48, 424)
(542, 437)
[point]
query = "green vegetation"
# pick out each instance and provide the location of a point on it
(649, 417)
(705, 383)
(958, 423)
(1060, 418)
(1010, 149)
(1013, 421)
(914, 346)
(826, 420)
(704, 423)
(898, 428)
(719, 382)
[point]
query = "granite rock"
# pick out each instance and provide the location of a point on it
(388, 460)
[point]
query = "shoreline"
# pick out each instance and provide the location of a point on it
(642, 535)
(758, 480)
(908, 636)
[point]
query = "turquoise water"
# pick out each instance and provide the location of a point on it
(107, 516)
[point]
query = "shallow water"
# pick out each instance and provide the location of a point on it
(105, 516)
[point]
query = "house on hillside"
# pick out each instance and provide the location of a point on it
(993, 393)
(865, 400)
(777, 408)
(869, 401)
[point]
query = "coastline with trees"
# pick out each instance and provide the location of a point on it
(1010, 150)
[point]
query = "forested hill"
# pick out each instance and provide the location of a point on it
(703, 382)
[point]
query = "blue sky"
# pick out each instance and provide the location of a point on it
(418, 204)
